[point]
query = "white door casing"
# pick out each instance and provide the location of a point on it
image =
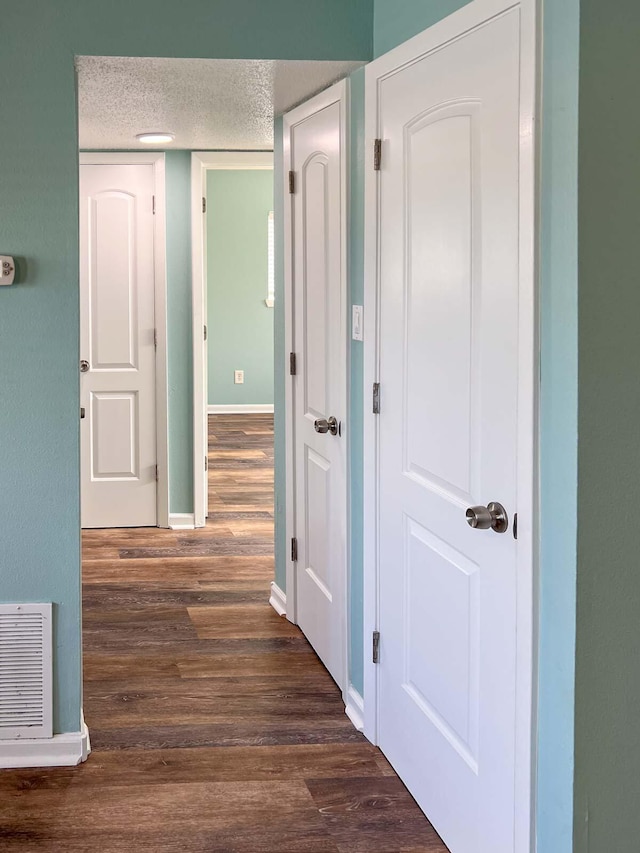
(201, 163)
(117, 335)
(450, 337)
(315, 273)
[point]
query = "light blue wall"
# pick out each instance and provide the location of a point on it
(179, 332)
(240, 323)
(558, 424)
(395, 21)
(39, 420)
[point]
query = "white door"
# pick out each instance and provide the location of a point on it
(315, 139)
(448, 428)
(117, 351)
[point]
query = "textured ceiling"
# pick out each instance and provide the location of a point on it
(207, 103)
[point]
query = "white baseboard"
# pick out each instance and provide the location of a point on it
(182, 521)
(240, 409)
(354, 708)
(278, 599)
(65, 750)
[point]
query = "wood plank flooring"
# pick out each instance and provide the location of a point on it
(215, 729)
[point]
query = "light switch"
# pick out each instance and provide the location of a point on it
(357, 332)
(7, 269)
(238, 377)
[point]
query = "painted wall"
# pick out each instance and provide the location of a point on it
(179, 332)
(39, 552)
(395, 21)
(240, 324)
(607, 742)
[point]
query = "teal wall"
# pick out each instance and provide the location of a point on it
(558, 424)
(395, 21)
(39, 223)
(179, 332)
(607, 743)
(240, 324)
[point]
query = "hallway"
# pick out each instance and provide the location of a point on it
(214, 727)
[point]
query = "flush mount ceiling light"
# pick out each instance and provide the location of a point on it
(155, 136)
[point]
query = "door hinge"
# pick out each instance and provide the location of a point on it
(294, 550)
(206, 463)
(153, 204)
(156, 473)
(204, 204)
(515, 525)
(376, 398)
(375, 650)
(377, 154)
(82, 412)
(292, 182)
(155, 338)
(205, 332)
(292, 364)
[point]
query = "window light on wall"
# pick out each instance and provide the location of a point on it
(271, 278)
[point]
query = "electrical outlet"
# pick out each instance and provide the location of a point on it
(238, 377)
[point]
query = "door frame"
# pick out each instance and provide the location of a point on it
(201, 163)
(469, 17)
(337, 93)
(157, 160)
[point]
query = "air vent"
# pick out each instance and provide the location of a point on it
(25, 671)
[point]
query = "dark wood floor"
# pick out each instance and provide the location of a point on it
(215, 729)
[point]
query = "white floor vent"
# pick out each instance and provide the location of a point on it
(25, 671)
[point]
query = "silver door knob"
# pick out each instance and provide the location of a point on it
(331, 425)
(493, 516)
(84, 366)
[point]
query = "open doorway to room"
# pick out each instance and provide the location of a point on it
(185, 663)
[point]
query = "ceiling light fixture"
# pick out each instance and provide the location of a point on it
(155, 137)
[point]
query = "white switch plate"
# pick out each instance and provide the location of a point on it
(356, 323)
(238, 377)
(7, 269)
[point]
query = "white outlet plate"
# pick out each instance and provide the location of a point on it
(7, 269)
(238, 377)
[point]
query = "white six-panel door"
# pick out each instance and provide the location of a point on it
(314, 139)
(449, 209)
(117, 349)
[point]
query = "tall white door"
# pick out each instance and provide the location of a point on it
(117, 351)
(318, 242)
(448, 429)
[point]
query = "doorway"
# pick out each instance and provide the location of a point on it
(450, 447)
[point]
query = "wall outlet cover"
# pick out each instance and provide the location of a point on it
(238, 377)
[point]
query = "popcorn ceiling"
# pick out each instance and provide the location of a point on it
(206, 103)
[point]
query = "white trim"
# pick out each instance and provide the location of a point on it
(338, 93)
(236, 159)
(239, 408)
(182, 521)
(278, 600)
(201, 162)
(474, 14)
(157, 160)
(65, 750)
(354, 709)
